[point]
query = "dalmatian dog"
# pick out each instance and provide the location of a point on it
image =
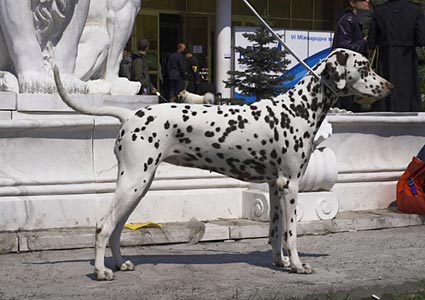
(190, 98)
(267, 141)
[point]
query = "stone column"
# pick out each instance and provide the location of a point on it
(224, 41)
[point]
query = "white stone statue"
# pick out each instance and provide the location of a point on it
(322, 170)
(8, 82)
(108, 28)
(34, 32)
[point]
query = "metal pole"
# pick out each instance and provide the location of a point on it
(280, 39)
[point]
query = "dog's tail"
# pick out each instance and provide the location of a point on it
(117, 112)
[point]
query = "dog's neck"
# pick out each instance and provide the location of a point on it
(311, 99)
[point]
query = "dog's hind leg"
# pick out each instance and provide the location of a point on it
(114, 243)
(130, 189)
(114, 240)
(288, 192)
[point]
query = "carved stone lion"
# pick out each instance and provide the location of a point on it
(108, 28)
(35, 32)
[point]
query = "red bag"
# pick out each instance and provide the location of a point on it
(410, 188)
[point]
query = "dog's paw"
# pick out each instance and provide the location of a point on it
(282, 263)
(127, 266)
(105, 274)
(305, 269)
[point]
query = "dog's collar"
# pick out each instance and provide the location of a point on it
(323, 83)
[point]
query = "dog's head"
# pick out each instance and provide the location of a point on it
(349, 73)
(181, 97)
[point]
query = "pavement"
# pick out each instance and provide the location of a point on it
(195, 231)
(347, 265)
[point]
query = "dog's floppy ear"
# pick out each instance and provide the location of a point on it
(335, 69)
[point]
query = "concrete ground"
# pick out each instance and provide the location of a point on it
(349, 265)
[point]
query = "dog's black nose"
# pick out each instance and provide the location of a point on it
(389, 86)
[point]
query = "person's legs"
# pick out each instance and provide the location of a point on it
(181, 85)
(172, 93)
(191, 87)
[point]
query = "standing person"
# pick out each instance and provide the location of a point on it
(192, 75)
(397, 27)
(164, 81)
(140, 70)
(125, 65)
(349, 35)
(176, 69)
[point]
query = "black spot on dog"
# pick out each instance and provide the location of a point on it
(209, 134)
(149, 120)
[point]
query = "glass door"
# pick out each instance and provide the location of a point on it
(198, 40)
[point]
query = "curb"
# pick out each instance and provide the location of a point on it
(195, 231)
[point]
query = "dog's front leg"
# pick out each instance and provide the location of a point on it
(288, 192)
(277, 227)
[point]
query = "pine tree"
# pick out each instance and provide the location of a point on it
(265, 67)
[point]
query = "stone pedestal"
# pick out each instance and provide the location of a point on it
(58, 170)
(372, 152)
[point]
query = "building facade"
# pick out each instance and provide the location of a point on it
(206, 28)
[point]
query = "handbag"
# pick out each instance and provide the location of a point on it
(410, 188)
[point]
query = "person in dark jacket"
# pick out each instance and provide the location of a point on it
(125, 65)
(349, 30)
(397, 27)
(140, 70)
(349, 35)
(192, 73)
(176, 68)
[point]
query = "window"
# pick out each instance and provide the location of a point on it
(302, 9)
(165, 4)
(280, 8)
(239, 8)
(201, 6)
